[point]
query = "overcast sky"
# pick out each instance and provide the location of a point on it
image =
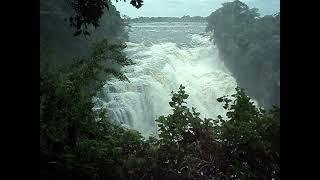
(178, 8)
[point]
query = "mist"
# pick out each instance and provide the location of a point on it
(166, 89)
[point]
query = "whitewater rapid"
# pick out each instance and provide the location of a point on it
(159, 69)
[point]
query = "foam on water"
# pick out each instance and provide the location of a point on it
(160, 68)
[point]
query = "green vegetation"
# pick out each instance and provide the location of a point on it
(246, 146)
(76, 142)
(89, 12)
(250, 46)
(79, 142)
(73, 137)
(58, 46)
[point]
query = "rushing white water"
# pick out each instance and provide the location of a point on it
(160, 68)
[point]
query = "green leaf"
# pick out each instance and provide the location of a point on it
(220, 99)
(77, 33)
(86, 33)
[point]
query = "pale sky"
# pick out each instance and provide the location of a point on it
(179, 8)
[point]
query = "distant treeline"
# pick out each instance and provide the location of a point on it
(168, 19)
(78, 141)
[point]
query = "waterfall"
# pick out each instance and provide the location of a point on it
(159, 69)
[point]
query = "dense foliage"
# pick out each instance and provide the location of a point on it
(244, 146)
(89, 12)
(58, 46)
(80, 142)
(73, 137)
(250, 46)
(83, 144)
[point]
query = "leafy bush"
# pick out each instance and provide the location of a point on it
(243, 146)
(78, 142)
(75, 141)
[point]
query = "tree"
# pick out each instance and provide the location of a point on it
(243, 146)
(79, 142)
(250, 46)
(74, 139)
(185, 141)
(89, 12)
(250, 139)
(58, 46)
